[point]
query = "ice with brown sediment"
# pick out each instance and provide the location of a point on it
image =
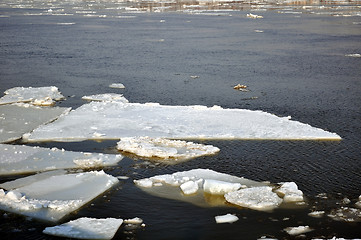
(42, 197)
(115, 120)
(17, 159)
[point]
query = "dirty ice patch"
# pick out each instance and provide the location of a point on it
(115, 120)
(86, 228)
(106, 97)
(16, 159)
(201, 187)
(51, 197)
(164, 148)
(42, 96)
(16, 120)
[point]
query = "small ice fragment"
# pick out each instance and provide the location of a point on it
(290, 192)
(86, 228)
(228, 218)
(135, 220)
(316, 214)
(219, 187)
(298, 230)
(107, 97)
(117, 85)
(122, 177)
(241, 87)
(257, 198)
(254, 16)
(356, 55)
(189, 187)
(147, 183)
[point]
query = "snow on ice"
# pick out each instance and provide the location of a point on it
(16, 120)
(106, 97)
(52, 195)
(115, 120)
(204, 187)
(87, 228)
(228, 218)
(42, 96)
(16, 159)
(164, 148)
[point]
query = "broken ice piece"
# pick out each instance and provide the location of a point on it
(51, 197)
(86, 228)
(117, 85)
(42, 96)
(106, 97)
(254, 16)
(316, 214)
(298, 230)
(228, 218)
(164, 148)
(356, 55)
(241, 87)
(15, 159)
(189, 187)
(256, 198)
(290, 193)
(17, 120)
(219, 187)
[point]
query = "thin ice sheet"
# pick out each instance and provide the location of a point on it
(114, 120)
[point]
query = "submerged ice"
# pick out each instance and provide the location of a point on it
(16, 159)
(115, 120)
(52, 195)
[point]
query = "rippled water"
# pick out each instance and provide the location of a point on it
(295, 65)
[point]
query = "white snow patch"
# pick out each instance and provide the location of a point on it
(298, 230)
(189, 187)
(117, 85)
(164, 148)
(228, 218)
(117, 120)
(15, 159)
(16, 120)
(290, 192)
(51, 197)
(42, 96)
(106, 97)
(135, 220)
(257, 198)
(86, 228)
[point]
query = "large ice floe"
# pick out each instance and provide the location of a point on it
(16, 159)
(86, 228)
(16, 120)
(115, 120)
(164, 148)
(43, 96)
(52, 195)
(204, 187)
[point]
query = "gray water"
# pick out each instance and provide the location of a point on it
(296, 67)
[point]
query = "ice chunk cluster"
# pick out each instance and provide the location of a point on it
(290, 192)
(164, 148)
(16, 159)
(346, 214)
(239, 191)
(41, 96)
(115, 120)
(86, 228)
(50, 196)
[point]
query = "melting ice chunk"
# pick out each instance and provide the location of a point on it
(219, 187)
(42, 96)
(164, 148)
(117, 85)
(290, 192)
(15, 159)
(86, 228)
(18, 120)
(51, 197)
(106, 97)
(116, 120)
(298, 230)
(228, 218)
(257, 198)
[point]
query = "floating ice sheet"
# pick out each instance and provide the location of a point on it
(16, 120)
(228, 218)
(51, 197)
(106, 97)
(43, 96)
(87, 228)
(164, 148)
(114, 120)
(15, 159)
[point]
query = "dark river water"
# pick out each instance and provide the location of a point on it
(294, 65)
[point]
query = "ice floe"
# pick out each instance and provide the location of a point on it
(164, 148)
(204, 187)
(115, 120)
(42, 96)
(106, 97)
(86, 228)
(16, 159)
(228, 218)
(298, 230)
(50, 197)
(117, 85)
(356, 55)
(16, 120)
